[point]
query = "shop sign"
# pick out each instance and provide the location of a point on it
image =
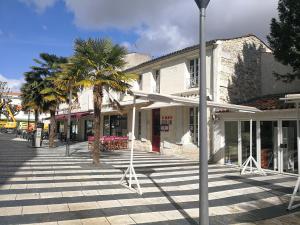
(165, 123)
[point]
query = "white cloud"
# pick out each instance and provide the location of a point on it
(164, 26)
(167, 25)
(39, 5)
(13, 84)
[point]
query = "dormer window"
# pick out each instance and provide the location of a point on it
(194, 73)
(156, 77)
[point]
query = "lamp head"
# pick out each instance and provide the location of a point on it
(202, 3)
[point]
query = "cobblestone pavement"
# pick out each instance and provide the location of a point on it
(42, 186)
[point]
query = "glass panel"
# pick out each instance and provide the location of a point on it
(88, 128)
(289, 146)
(74, 130)
(194, 125)
(231, 142)
(139, 125)
(245, 131)
(106, 126)
(269, 144)
(194, 73)
(191, 125)
(118, 125)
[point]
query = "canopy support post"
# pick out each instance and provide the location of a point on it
(297, 187)
(250, 161)
(130, 170)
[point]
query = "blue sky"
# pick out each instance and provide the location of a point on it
(156, 27)
(25, 33)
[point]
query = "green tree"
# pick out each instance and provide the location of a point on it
(103, 62)
(30, 93)
(4, 90)
(68, 81)
(39, 91)
(285, 38)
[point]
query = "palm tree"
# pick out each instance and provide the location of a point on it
(40, 93)
(67, 80)
(31, 97)
(52, 95)
(103, 62)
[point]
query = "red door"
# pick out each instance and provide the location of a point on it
(156, 130)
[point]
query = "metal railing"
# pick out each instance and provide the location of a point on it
(192, 83)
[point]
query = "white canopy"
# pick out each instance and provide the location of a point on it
(173, 100)
(292, 98)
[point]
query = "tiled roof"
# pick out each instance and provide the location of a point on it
(270, 102)
(188, 49)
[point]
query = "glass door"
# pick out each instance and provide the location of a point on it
(288, 147)
(269, 145)
(245, 134)
(231, 142)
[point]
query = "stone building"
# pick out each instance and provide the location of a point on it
(239, 71)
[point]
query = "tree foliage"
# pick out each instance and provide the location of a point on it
(40, 93)
(285, 38)
(102, 62)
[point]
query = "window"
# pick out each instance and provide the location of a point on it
(88, 129)
(106, 126)
(269, 143)
(245, 134)
(115, 125)
(157, 81)
(231, 142)
(194, 73)
(139, 125)
(194, 124)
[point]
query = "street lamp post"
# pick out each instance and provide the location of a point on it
(203, 157)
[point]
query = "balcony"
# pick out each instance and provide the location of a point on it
(192, 83)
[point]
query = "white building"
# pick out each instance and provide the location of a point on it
(239, 71)
(22, 115)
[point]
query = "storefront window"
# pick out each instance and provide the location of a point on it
(231, 142)
(193, 124)
(289, 146)
(74, 130)
(88, 129)
(245, 131)
(115, 125)
(139, 125)
(106, 126)
(269, 143)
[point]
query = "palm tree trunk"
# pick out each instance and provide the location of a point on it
(98, 96)
(36, 118)
(52, 133)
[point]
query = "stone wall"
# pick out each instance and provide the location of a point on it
(240, 69)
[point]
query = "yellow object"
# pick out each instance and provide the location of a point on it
(2, 123)
(46, 127)
(10, 125)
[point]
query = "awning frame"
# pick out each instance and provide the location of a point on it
(155, 97)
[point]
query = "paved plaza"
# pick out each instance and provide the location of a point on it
(42, 186)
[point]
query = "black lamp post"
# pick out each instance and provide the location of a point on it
(203, 157)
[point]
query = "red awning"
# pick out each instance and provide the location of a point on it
(81, 114)
(77, 115)
(60, 117)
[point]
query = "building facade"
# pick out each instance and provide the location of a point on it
(15, 101)
(239, 71)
